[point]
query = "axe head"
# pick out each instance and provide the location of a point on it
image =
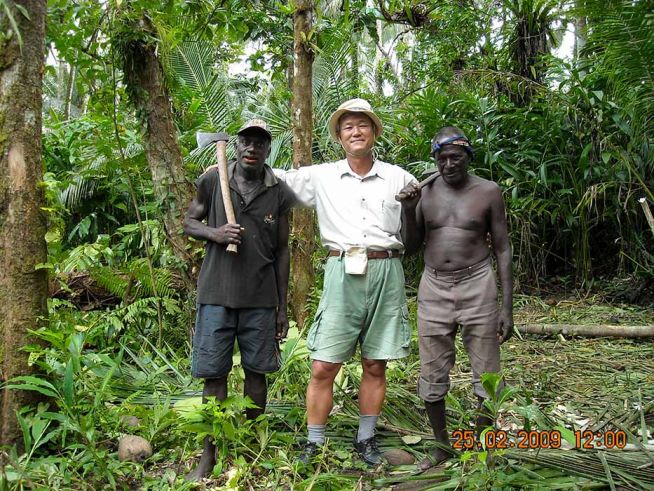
(205, 139)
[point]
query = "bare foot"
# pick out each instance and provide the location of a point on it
(436, 456)
(203, 469)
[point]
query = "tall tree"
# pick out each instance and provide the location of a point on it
(303, 243)
(23, 287)
(146, 84)
(532, 37)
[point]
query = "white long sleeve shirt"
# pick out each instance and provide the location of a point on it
(352, 210)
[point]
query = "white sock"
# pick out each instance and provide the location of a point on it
(367, 425)
(316, 434)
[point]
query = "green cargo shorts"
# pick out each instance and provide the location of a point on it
(369, 310)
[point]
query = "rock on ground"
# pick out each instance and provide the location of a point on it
(134, 448)
(397, 456)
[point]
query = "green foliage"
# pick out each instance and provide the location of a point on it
(10, 17)
(568, 142)
(89, 378)
(224, 421)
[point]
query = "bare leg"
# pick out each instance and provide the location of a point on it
(371, 398)
(257, 390)
(213, 387)
(373, 387)
(320, 392)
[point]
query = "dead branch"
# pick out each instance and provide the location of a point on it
(589, 330)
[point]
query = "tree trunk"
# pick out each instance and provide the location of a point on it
(354, 63)
(146, 85)
(303, 231)
(23, 288)
(581, 34)
(70, 89)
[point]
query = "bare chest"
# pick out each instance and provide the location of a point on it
(467, 210)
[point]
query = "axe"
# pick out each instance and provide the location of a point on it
(221, 139)
(421, 184)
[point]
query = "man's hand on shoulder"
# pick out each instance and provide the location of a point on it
(282, 324)
(230, 233)
(504, 326)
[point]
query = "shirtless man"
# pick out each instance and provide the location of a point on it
(452, 217)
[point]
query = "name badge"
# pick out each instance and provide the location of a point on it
(356, 260)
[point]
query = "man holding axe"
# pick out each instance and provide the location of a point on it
(243, 282)
(453, 217)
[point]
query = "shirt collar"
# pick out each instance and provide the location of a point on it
(376, 170)
(269, 178)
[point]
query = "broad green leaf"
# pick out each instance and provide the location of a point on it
(411, 439)
(567, 434)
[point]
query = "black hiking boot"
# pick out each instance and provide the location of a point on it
(369, 451)
(308, 452)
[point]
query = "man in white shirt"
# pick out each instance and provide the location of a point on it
(363, 300)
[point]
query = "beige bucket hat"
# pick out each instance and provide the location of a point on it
(353, 106)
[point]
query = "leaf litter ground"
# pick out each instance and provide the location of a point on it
(599, 384)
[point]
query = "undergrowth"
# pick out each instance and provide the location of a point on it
(97, 373)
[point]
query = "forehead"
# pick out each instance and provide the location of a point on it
(354, 118)
(451, 151)
(253, 134)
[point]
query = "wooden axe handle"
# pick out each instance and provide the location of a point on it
(221, 153)
(421, 184)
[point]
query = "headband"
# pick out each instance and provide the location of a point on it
(453, 140)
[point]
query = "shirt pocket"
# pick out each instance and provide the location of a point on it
(269, 229)
(390, 216)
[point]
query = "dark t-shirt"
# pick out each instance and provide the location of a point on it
(246, 279)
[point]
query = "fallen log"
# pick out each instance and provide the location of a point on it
(589, 330)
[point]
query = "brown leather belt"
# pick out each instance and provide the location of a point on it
(371, 254)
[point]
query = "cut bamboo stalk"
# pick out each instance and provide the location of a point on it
(648, 213)
(589, 330)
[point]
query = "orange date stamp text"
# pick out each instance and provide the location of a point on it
(501, 439)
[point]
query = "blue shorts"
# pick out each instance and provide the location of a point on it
(216, 329)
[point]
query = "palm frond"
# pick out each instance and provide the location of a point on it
(279, 155)
(194, 65)
(83, 185)
(621, 46)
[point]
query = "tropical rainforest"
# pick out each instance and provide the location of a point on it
(100, 103)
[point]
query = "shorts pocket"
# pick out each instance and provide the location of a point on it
(314, 331)
(406, 327)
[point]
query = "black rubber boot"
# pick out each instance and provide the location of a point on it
(484, 420)
(443, 451)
